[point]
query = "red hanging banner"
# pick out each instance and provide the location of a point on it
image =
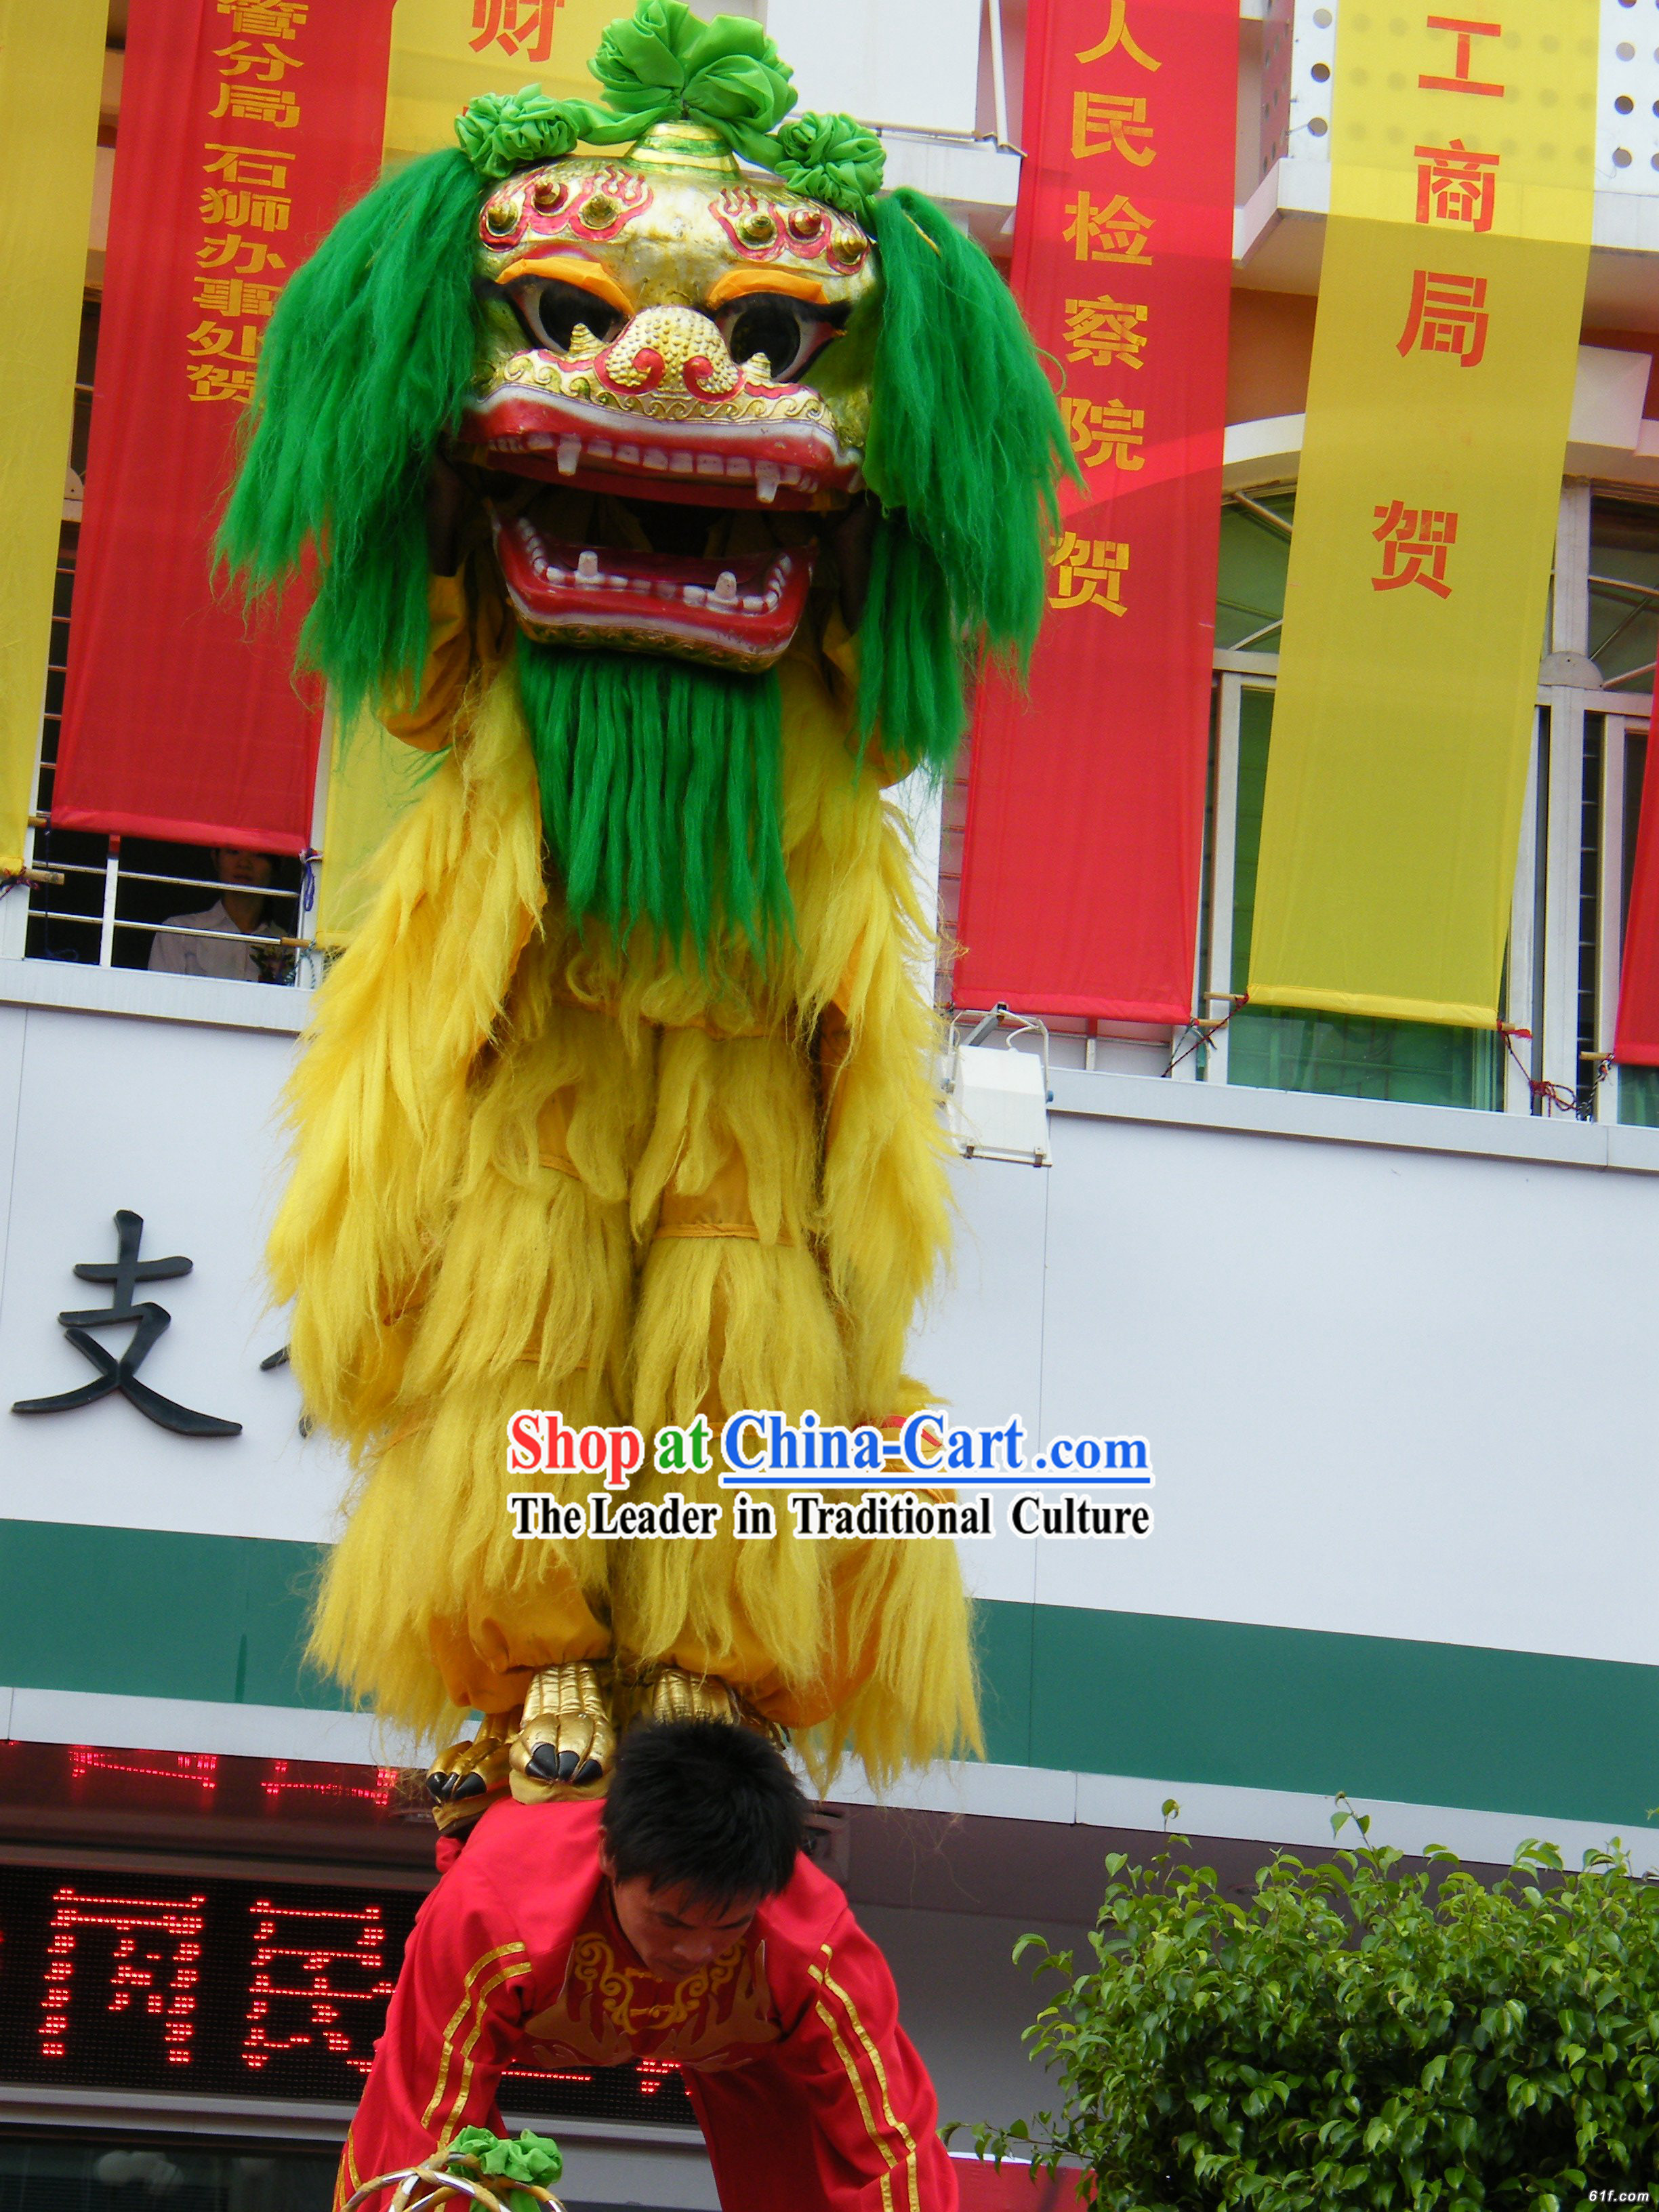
(246, 126)
(1085, 812)
(1638, 1029)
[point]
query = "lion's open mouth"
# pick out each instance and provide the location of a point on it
(740, 611)
(776, 463)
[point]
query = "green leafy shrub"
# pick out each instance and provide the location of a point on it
(1356, 2035)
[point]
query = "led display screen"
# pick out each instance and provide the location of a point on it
(220, 1988)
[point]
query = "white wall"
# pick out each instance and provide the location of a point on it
(1389, 1390)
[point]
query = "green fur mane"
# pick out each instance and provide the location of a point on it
(364, 371)
(661, 795)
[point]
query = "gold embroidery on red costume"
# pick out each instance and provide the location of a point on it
(608, 2011)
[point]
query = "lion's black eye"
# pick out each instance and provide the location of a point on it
(550, 311)
(788, 332)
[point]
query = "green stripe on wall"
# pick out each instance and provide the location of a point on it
(151, 1613)
(146, 1613)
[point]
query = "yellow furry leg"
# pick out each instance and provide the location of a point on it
(382, 1101)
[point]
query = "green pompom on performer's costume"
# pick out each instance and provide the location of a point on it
(673, 507)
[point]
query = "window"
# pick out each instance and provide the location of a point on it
(1572, 883)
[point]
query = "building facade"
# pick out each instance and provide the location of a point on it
(1378, 1294)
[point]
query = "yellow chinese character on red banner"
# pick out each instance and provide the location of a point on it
(518, 27)
(1115, 232)
(266, 211)
(1101, 432)
(1456, 185)
(1461, 81)
(1119, 40)
(272, 64)
(1105, 331)
(219, 338)
(256, 103)
(1089, 572)
(1448, 315)
(1111, 123)
(265, 19)
(230, 295)
(1414, 542)
(210, 380)
(220, 252)
(248, 165)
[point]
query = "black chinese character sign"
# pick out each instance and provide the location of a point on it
(124, 1274)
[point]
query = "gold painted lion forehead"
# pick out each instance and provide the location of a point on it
(663, 233)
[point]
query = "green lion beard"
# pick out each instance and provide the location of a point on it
(660, 792)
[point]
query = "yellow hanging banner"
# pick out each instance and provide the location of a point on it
(1445, 352)
(444, 53)
(52, 68)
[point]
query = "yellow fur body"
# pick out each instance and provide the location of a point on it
(531, 1170)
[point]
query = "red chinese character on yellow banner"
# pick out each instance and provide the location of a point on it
(1105, 331)
(517, 27)
(1448, 315)
(271, 64)
(248, 165)
(1414, 542)
(220, 252)
(247, 210)
(1115, 232)
(1111, 123)
(1456, 185)
(1119, 40)
(1089, 572)
(265, 19)
(1102, 433)
(1461, 81)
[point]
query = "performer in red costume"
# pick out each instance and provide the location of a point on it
(677, 1919)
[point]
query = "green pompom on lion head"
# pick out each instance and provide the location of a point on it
(501, 131)
(834, 159)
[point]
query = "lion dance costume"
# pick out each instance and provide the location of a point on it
(670, 505)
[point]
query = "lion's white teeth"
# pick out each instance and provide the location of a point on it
(681, 464)
(570, 452)
(629, 456)
(557, 575)
(791, 473)
(587, 569)
(694, 595)
(639, 584)
(726, 588)
(655, 458)
(739, 469)
(599, 449)
(538, 441)
(766, 481)
(710, 465)
(751, 603)
(771, 602)
(665, 589)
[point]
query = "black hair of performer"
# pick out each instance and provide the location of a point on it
(703, 1808)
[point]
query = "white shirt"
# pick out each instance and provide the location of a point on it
(200, 956)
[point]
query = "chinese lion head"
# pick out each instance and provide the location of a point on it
(698, 388)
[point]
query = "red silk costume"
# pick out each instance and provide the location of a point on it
(809, 2091)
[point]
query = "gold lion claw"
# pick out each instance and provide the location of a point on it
(566, 1740)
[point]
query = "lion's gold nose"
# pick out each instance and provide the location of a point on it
(671, 352)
